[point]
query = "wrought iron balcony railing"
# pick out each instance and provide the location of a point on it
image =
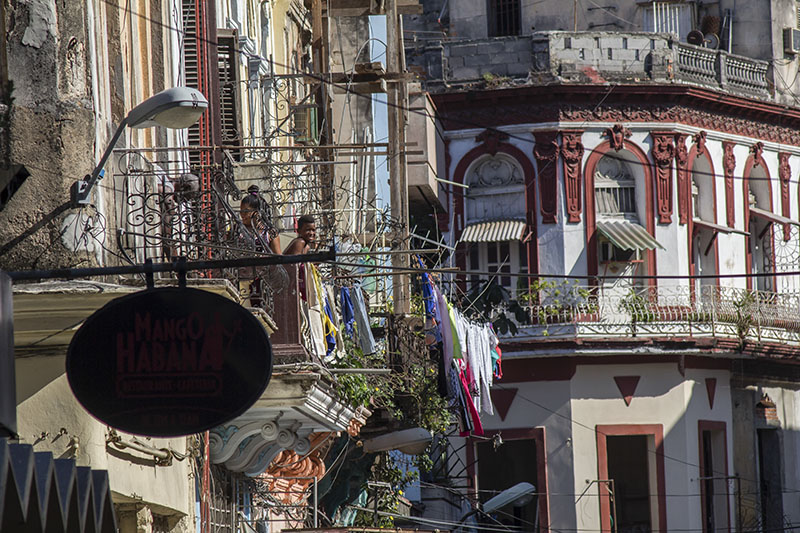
(163, 217)
(670, 311)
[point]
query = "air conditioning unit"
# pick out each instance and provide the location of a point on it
(791, 40)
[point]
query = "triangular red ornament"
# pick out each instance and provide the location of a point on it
(711, 389)
(627, 386)
(502, 398)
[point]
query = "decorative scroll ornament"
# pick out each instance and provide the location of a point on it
(491, 139)
(496, 171)
(700, 142)
(663, 154)
(571, 158)
(291, 473)
(757, 150)
(546, 153)
(617, 135)
(682, 166)
(785, 174)
(728, 165)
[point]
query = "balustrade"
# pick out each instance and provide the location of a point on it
(705, 310)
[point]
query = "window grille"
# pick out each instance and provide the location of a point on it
(504, 18)
(615, 197)
(669, 17)
(797, 13)
(614, 188)
(505, 257)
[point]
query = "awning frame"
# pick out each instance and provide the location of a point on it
(509, 230)
(717, 228)
(638, 235)
(772, 217)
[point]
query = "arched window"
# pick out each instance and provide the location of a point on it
(704, 221)
(761, 240)
(495, 221)
(620, 207)
(615, 189)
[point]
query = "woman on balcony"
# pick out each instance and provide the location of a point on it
(258, 226)
(259, 232)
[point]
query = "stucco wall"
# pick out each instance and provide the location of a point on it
(663, 397)
(133, 476)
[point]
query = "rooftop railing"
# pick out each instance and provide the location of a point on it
(586, 57)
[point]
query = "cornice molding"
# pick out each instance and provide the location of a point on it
(700, 108)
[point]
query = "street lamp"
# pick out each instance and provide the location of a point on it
(177, 108)
(519, 495)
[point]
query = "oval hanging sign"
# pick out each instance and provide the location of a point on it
(169, 362)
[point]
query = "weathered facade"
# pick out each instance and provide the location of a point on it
(649, 187)
(77, 70)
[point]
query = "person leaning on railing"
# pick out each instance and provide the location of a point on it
(262, 235)
(260, 227)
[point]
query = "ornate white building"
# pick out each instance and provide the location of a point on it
(651, 185)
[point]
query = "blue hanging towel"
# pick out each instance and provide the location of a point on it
(348, 315)
(330, 331)
(427, 292)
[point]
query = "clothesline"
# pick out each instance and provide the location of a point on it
(467, 350)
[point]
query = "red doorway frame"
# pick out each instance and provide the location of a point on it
(710, 425)
(616, 430)
(537, 435)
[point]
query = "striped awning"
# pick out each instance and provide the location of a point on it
(627, 235)
(494, 231)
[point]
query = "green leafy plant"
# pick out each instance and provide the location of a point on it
(637, 307)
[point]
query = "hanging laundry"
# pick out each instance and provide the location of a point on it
(497, 354)
(365, 338)
(477, 427)
(329, 328)
(348, 315)
(315, 312)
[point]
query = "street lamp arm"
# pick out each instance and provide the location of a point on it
(177, 108)
(82, 189)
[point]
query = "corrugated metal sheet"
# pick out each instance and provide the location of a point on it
(46, 494)
(627, 235)
(494, 231)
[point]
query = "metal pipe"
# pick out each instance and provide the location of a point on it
(316, 502)
(175, 266)
(159, 453)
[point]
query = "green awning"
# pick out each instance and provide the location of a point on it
(627, 235)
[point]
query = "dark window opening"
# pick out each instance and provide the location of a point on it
(629, 467)
(11, 179)
(612, 254)
(504, 18)
(513, 462)
(769, 465)
(713, 481)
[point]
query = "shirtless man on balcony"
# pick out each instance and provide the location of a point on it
(306, 235)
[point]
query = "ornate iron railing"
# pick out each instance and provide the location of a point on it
(163, 216)
(701, 311)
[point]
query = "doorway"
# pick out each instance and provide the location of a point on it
(629, 468)
(631, 482)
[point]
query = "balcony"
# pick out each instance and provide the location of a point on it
(710, 312)
(586, 57)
